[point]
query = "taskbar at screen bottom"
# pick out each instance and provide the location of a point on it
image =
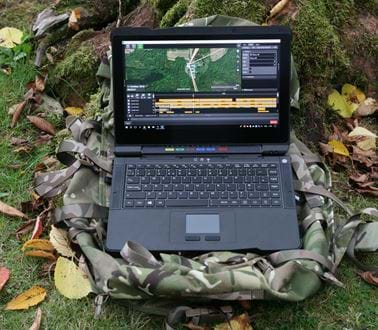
(262, 120)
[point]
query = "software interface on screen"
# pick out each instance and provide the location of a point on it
(201, 82)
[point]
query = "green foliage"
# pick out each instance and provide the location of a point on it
(317, 49)
(253, 10)
(338, 12)
(75, 75)
(162, 6)
(10, 56)
(173, 15)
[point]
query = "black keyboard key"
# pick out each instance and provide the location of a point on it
(159, 203)
(176, 179)
(158, 187)
(273, 179)
(135, 195)
(241, 187)
(133, 187)
(233, 194)
(263, 179)
(155, 179)
(214, 195)
(193, 194)
(150, 195)
(207, 179)
(223, 194)
(197, 179)
(130, 172)
(189, 187)
(150, 203)
(168, 187)
(199, 187)
(161, 195)
(186, 203)
(145, 179)
(244, 202)
(129, 203)
(210, 187)
(255, 202)
(131, 166)
(250, 186)
(261, 172)
(230, 186)
(238, 179)
(133, 179)
(274, 187)
(243, 194)
(276, 202)
(273, 172)
(178, 187)
(172, 194)
(227, 179)
(275, 194)
(265, 194)
(234, 202)
(147, 187)
(253, 194)
(262, 186)
(182, 194)
(203, 195)
(265, 202)
(166, 179)
(139, 203)
(220, 187)
(186, 179)
(217, 179)
(140, 172)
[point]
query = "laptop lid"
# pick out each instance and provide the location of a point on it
(201, 85)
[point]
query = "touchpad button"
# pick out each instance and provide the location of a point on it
(202, 224)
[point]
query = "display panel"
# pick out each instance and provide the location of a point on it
(191, 83)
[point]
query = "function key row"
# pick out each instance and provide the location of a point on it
(202, 165)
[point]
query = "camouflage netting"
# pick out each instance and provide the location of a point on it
(289, 275)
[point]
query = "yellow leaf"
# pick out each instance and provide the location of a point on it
(338, 147)
(38, 244)
(367, 140)
(71, 281)
(10, 37)
(240, 322)
(74, 111)
(40, 254)
(59, 239)
(29, 298)
(352, 94)
(338, 103)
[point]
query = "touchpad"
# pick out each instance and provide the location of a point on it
(202, 223)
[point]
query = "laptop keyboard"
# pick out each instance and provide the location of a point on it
(202, 185)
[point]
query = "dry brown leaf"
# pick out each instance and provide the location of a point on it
(369, 277)
(17, 113)
(367, 107)
(4, 276)
(24, 149)
(29, 298)
(40, 83)
(359, 178)
(17, 141)
(38, 244)
(59, 239)
(25, 228)
(11, 211)
(37, 321)
(38, 228)
(240, 322)
(40, 254)
(42, 124)
(277, 8)
(74, 19)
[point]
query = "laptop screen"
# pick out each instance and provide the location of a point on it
(233, 83)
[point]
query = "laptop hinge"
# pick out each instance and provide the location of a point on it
(274, 149)
(128, 150)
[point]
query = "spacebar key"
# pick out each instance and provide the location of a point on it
(178, 202)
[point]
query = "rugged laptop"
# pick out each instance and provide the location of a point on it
(202, 128)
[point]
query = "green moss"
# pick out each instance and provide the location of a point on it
(317, 49)
(75, 76)
(253, 10)
(92, 108)
(162, 6)
(173, 15)
(368, 6)
(338, 12)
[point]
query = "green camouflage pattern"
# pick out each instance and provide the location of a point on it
(137, 275)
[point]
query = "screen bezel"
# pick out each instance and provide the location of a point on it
(203, 135)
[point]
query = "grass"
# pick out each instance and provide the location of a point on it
(354, 307)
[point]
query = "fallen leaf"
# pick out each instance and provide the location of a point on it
(70, 281)
(29, 298)
(74, 19)
(367, 107)
(40, 83)
(359, 178)
(37, 321)
(38, 228)
(353, 94)
(59, 239)
(339, 104)
(24, 149)
(40, 254)
(369, 277)
(4, 276)
(368, 138)
(10, 37)
(42, 124)
(25, 228)
(277, 8)
(325, 148)
(11, 211)
(17, 141)
(38, 244)
(240, 322)
(17, 113)
(339, 148)
(74, 111)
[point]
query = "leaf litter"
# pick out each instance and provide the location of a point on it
(29, 298)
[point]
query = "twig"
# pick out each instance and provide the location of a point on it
(119, 13)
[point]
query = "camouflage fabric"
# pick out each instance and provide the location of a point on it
(161, 282)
